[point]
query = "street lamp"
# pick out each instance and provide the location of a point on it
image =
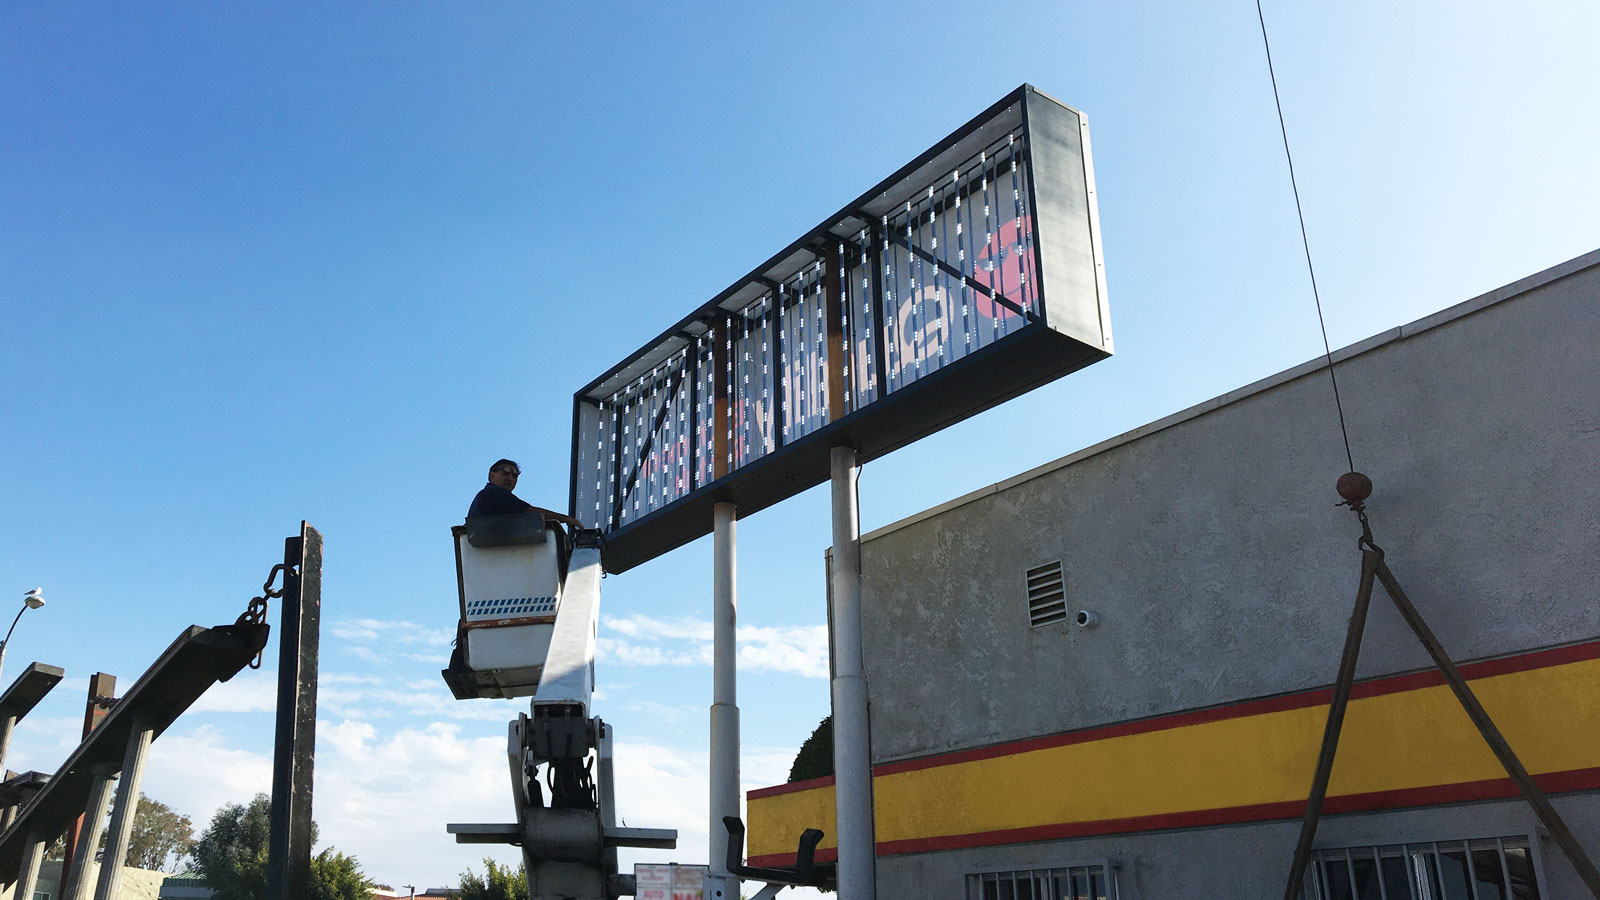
(31, 600)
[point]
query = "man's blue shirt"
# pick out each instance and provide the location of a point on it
(495, 500)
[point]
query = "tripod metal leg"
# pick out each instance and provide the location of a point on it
(1370, 561)
(1497, 742)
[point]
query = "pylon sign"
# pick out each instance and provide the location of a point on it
(969, 276)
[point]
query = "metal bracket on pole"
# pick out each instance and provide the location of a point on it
(802, 874)
(289, 834)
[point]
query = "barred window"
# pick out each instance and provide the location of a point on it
(1095, 880)
(1497, 868)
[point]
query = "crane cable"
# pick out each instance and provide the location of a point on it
(1304, 240)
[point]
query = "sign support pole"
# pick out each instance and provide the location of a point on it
(852, 752)
(721, 885)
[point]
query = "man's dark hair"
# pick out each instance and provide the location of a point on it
(504, 464)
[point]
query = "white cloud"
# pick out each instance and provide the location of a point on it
(40, 743)
(390, 632)
(199, 770)
(657, 630)
(247, 692)
(628, 653)
(643, 641)
(414, 700)
(665, 713)
(346, 678)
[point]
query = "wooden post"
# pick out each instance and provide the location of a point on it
(123, 811)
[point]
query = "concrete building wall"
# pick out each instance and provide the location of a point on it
(137, 884)
(1240, 861)
(1210, 547)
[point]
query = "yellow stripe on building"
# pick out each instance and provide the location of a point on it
(1413, 739)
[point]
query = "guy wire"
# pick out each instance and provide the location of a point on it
(1304, 240)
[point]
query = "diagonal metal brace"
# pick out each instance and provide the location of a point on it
(644, 449)
(803, 872)
(1373, 567)
(956, 273)
(1530, 790)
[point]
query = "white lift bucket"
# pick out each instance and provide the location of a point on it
(508, 576)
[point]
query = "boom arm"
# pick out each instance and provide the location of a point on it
(570, 845)
(568, 678)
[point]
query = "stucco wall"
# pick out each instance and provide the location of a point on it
(1244, 861)
(1211, 548)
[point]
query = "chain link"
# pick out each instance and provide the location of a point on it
(256, 612)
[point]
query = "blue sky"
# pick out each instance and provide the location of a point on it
(261, 264)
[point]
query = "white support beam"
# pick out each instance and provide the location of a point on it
(75, 885)
(32, 856)
(122, 813)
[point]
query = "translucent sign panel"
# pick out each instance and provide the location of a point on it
(920, 303)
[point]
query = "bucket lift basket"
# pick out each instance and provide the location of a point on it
(509, 571)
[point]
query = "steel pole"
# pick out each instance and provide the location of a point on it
(852, 752)
(720, 884)
(300, 618)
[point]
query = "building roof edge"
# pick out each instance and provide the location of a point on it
(1426, 323)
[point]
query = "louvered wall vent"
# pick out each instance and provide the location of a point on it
(1047, 595)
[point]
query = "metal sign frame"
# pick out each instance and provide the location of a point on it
(971, 275)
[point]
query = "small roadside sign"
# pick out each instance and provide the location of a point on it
(655, 881)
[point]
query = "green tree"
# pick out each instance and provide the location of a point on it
(232, 855)
(335, 876)
(160, 839)
(497, 883)
(815, 759)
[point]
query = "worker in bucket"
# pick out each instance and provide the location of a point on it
(497, 499)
